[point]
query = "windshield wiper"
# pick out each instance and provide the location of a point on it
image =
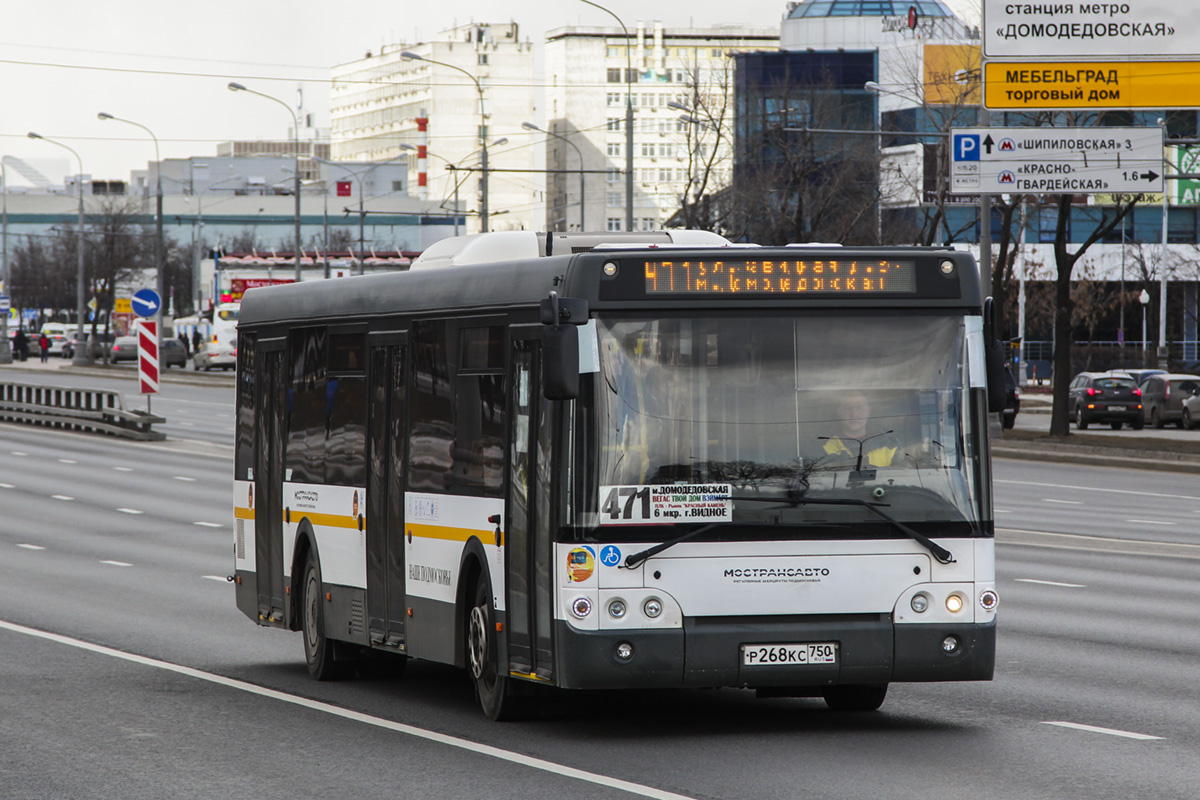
(635, 560)
(940, 553)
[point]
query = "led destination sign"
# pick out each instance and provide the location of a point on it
(763, 277)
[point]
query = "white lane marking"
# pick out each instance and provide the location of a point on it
(1098, 489)
(117, 563)
(19, 454)
(61, 497)
(1100, 544)
(209, 524)
(130, 511)
(1110, 731)
(7, 486)
(185, 479)
(1062, 502)
(67, 461)
(1001, 511)
(123, 469)
(31, 546)
(1149, 522)
(356, 716)
(1051, 583)
(220, 578)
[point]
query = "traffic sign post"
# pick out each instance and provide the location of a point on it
(1056, 160)
(148, 359)
(145, 303)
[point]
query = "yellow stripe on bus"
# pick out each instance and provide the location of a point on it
(327, 520)
(451, 534)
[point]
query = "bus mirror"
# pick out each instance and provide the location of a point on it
(997, 390)
(560, 362)
(556, 310)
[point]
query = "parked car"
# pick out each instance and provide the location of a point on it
(99, 348)
(57, 333)
(1190, 416)
(215, 354)
(1105, 397)
(171, 351)
(1137, 373)
(1012, 402)
(1163, 395)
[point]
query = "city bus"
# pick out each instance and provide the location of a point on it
(649, 460)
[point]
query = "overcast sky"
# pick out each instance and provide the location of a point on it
(166, 65)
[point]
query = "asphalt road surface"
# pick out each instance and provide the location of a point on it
(128, 673)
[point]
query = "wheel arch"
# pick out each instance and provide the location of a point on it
(304, 543)
(471, 567)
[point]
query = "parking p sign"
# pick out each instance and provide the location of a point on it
(966, 147)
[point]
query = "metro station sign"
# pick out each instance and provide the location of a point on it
(1085, 29)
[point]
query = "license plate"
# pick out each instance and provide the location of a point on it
(1116, 408)
(783, 655)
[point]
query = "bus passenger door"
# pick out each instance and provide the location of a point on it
(385, 495)
(527, 529)
(269, 433)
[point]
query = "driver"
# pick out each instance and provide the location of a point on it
(854, 414)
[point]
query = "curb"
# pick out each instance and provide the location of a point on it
(1098, 456)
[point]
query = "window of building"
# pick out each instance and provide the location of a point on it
(614, 74)
(612, 199)
(613, 99)
(613, 224)
(647, 149)
(613, 176)
(483, 59)
(614, 123)
(649, 224)
(613, 149)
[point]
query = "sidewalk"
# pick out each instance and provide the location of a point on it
(57, 365)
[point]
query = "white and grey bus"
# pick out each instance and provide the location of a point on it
(606, 461)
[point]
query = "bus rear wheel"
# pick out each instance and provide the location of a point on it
(493, 690)
(855, 698)
(318, 648)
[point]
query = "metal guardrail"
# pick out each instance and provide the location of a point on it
(96, 410)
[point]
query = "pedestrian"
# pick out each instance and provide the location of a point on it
(183, 340)
(44, 347)
(196, 340)
(21, 343)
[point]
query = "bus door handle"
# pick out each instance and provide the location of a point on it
(495, 520)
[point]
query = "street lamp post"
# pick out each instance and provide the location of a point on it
(237, 87)
(83, 350)
(5, 345)
(628, 115)
(531, 127)
(483, 152)
(159, 248)
(361, 176)
(1144, 298)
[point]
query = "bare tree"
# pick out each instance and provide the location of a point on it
(707, 142)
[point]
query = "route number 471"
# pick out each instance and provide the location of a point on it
(622, 503)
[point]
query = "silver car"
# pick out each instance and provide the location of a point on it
(215, 354)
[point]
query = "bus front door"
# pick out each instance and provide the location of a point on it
(268, 483)
(385, 496)
(527, 530)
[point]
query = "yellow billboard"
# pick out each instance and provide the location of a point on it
(951, 74)
(1029, 85)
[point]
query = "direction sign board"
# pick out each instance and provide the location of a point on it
(1056, 160)
(5, 302)
(1025, 85)
(1075, 29)
(145, 302)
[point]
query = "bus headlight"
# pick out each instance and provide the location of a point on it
(954, 603)
(652, 607)
(616, 609)
(988, 600)
(919, 603)
(581, 607)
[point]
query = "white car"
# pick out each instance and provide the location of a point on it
(215, 354)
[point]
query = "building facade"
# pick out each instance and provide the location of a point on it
(385, 105)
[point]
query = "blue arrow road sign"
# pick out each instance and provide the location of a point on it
(145, 302)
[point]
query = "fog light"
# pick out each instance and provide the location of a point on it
(624, 651)
(988, 600)
(954, 603)
(950, 645)
(581, 607)
(652, 607)
(616, 609)
(919, 603)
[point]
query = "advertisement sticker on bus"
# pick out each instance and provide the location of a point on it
(665, 503)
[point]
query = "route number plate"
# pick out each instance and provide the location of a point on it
(783, 655)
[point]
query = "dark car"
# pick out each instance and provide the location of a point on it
(100, 347)
(1012, 401)
(1163, 395)
(1105, 397)
(171, 352)
(1139, 375)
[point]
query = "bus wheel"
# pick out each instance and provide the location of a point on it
(318, 649)
(492, 690)
(855, 698)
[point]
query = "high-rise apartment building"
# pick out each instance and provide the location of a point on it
(390, 104)
(682, 85)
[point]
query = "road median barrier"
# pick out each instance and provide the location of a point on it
(1106, 451)
(64, 408)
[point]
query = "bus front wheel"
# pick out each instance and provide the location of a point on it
(855, 698)
(318, 648)
(492, 689)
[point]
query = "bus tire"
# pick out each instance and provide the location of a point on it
(855, 698)
(492, 690)
(318, 648)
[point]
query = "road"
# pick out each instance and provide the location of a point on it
(129, 673)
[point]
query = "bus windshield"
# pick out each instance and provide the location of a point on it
(777, 420)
